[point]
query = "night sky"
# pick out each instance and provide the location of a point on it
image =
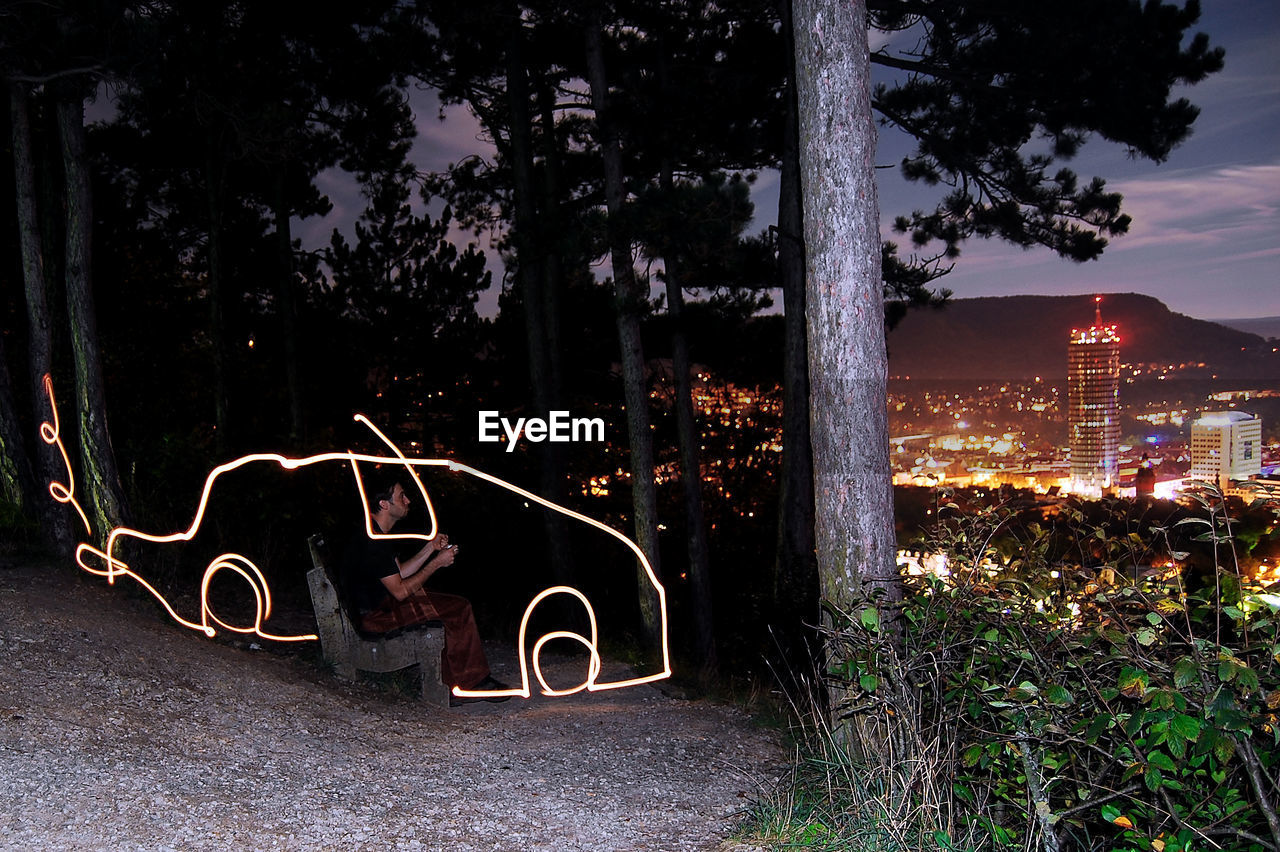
(1205, 238)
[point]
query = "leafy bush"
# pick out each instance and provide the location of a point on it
(1114, 707)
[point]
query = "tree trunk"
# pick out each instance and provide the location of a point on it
(848, 368)
(552, 250)
(699, 551)
(529, 263)
(690, 463)
(48, 465)
(17, 485)
(630, 298)
(288, 306)
(216, 282)
(795, 569)
(102, 497)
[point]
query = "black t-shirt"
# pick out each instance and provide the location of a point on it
(365, 562)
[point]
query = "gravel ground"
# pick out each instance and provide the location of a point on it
(121, 731)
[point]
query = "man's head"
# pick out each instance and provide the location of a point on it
(387, 495)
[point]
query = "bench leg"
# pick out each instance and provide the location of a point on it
(433, 691)
(344, 669)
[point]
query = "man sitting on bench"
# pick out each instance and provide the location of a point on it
(389, 592)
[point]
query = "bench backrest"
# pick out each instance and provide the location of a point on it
(322, 556)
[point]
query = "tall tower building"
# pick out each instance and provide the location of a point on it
(1226, 445)
(1093, 405)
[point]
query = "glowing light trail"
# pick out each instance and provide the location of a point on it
(243, 567)
(364, 500)
(594, 669)
(50, 433)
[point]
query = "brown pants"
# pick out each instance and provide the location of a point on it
(463, 662)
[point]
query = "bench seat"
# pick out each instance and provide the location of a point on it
(349, 649)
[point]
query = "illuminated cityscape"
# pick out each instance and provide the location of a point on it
(967, 434)
(962, 435)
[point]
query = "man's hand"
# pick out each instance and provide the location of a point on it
(436, 553)
(444, 557)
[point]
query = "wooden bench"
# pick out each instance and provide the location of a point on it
(349, 649)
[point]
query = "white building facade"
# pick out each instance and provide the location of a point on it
(1226, 446)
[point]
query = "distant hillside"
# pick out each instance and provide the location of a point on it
(1268, 327)
(1023, 336)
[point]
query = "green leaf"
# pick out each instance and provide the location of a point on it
(1152, 778)
(1161, 761)
(813, 831)
(1099, 724)
(1185, 672)
(868, 682)
(1146, 637)
(1221, 748)
(870, 619)
(1187, 727)
(1023, 691)
(1059, 695)
(1132, 682)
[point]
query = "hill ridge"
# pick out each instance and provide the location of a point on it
(1023, 336)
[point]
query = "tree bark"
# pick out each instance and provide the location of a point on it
(17, 485)
(848, 369)
(795, 569)
(47, 467)
(103, 499)
(630, 298)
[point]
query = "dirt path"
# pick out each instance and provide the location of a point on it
(122, 731)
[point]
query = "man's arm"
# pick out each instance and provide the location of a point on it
(416, 570)
(413, 564)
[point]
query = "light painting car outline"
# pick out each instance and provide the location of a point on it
(240, 565)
